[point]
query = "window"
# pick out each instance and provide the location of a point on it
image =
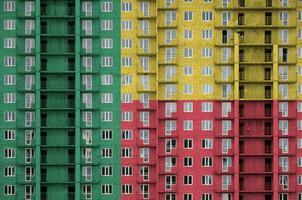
(126, 61)
(106, 6)
(207, 196)
(87, 191)
(9, 6)
(106, 134)
(106, 116)
(188, 16)
(126, 171)
(107, 43)
(188, 180)
(207, 16)
(188, 197)
(126, 153)
(126, 25)
(206, 161)
(9, 116)
(206, 180)
(188, 70)
(106, 25)
(9, 61)
(207, 107)
(126, 43)
(188, 52)
(188, 143)
(206, 71)
(188, 125)
(87, 8)
(207, 34)
(87, 173)
(126, 6)
(126, 79)
(188, 34)
(9, 79)
(9, 153)
(127, 116)
(188, 89)
(9, 190)
(206, 125)
(29, 7)
(9, 43)
(188, 106)
(29, 27)
(106, 171)
(106, 189)
(9, 135)
(207, 143)
(207, 89)
(9, 24)
(206, 52)
(106, 79)
(127, 189)
(284, 18)
(9, 97)
(126, 134)
(106, 98)
(127, 98)
(9, 171)
(87, 27)
(106, 153)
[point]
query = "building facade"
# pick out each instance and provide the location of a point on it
(211, 95)
(151, 99)
(60, 102)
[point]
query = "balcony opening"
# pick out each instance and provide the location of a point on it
(241, 91)
(268, 18)
(71, 45)
(241, 36)
(241, 3)
(241, 147)
(268, 183)
(268, 37)
(71, 64)
(71, 193)
(70, 8)
(43, 27)
(268, 165)
(43, 156)
(268, 3)
(43, 82)
(267, 146)
(268, 128)
(71, 82)
(241, 110)
(240, 18)
(43, 175)
(43, 119)
(241, 128)
(71, 101)
(71, 174)
(71, 137)
(43, 9)
(43, 192)
(70, 155)
(241, 73)
(71, 118)
(268, 55)
(71, 27)
(224, 36)
(241, 165)
(44, 64)
(284, 54)
(43, 101)
(268, 110)
(267, 74)
(241, 185)
(241, 55)
(43, 138)
(43, 46)
(268, 92)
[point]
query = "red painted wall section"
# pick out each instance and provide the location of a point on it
(254, 150)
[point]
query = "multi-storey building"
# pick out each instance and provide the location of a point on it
(60, 67)
(151, 99)
(211, 96)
